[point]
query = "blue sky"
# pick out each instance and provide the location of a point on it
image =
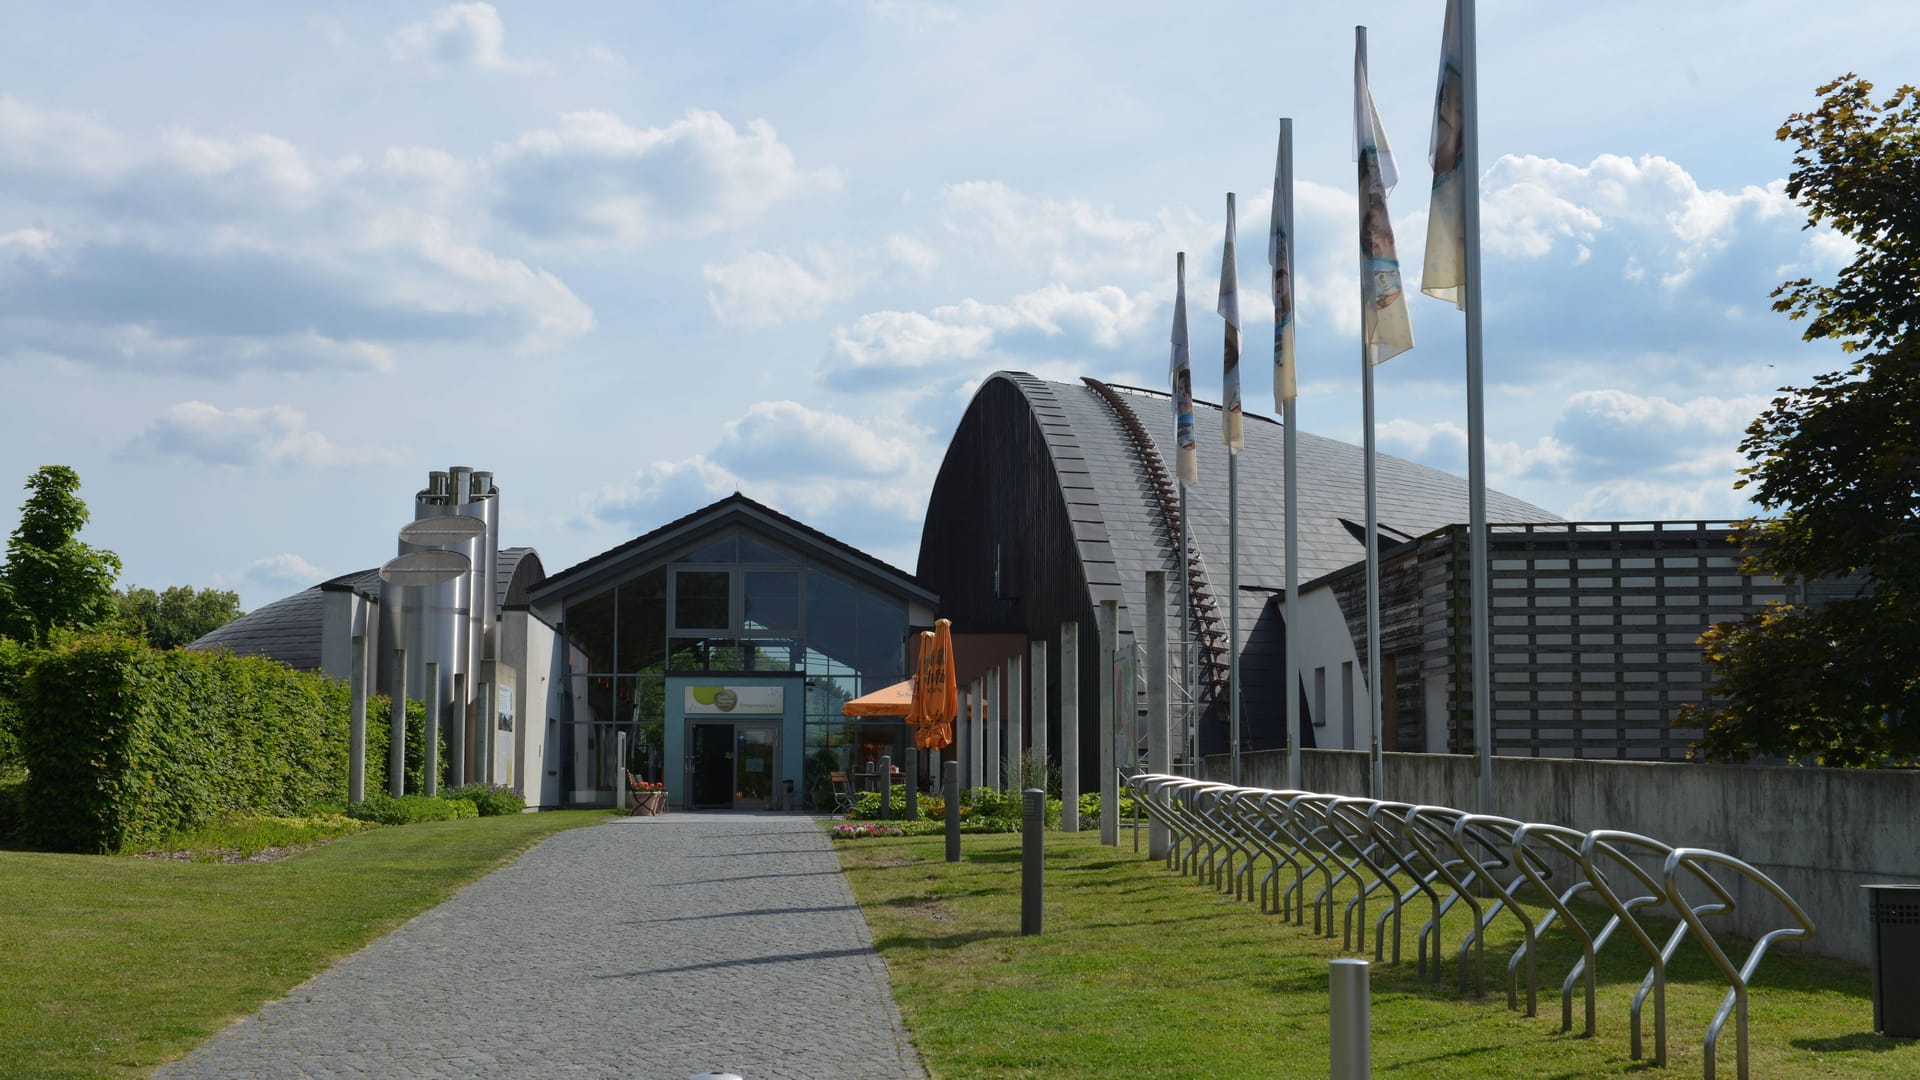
(263, 266)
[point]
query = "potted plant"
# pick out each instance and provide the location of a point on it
(649, 796)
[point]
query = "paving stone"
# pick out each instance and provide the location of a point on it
(644, 947)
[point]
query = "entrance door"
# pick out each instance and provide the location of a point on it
(756, 750)
(712, 765)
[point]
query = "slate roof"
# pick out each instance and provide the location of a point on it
(1117, 522)
(290, 628)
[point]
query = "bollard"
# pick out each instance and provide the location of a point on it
(1349, 1006)
(620, 773)
(886, 787)
(911, 773)
(953, 811)
(1032, 824)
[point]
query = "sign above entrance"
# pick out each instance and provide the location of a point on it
(736, 700)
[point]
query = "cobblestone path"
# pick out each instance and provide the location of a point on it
(646, 947)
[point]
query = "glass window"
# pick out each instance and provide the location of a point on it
(723, 550)
(590, 633)
(643, 623)
(754, 551)
(830, 613)
(705, 654)
(881, 625)
(701, 600)
(592, 698)
(769, 654)
(772, 600)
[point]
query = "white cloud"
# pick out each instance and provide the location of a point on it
(763, 288)
(842, 474)
(285, 569)
(766, 288)
(786, 439)
(596, 180)
(1070, 239)
(1536, 205)
(1034, 324)
(206, 255)
(244, 437)
(457, 36)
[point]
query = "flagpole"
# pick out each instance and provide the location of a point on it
(1229, 419)
(1292, 498)
(1480, 576)
(1374, 761)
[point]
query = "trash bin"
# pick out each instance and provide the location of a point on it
(1896, 959)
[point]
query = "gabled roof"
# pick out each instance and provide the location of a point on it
(734, 510)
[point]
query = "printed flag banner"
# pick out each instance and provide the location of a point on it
(1384, 323)
(1279, 256)
(1445, 270)
(1229, 309)
(1181, 370)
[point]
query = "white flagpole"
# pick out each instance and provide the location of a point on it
(1480, 583)
(1293, 494)
(1375, 787)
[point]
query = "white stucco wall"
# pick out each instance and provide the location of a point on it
(1326, 645)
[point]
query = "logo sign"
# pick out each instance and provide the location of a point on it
(736, 700)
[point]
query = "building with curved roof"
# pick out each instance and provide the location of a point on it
(1054, 497)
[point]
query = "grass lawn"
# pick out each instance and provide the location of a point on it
(1143, 972)
(111, 966)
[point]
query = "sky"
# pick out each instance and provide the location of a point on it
(262, 267)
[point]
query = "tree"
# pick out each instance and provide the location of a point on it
(1836, 467)
(50, 579)
(178, 616)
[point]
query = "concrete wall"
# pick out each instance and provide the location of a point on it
(1819, 833)
(527, 650)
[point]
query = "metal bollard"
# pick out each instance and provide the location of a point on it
(953, 811)
(912, 770)
(886, 787)
(1033, 824)
(1349, 1007)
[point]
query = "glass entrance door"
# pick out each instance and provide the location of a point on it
(756, 749)
(712, 763)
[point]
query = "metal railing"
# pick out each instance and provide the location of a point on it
(1413, 861)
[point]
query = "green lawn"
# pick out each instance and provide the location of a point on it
(111, 966)
(1142, 972)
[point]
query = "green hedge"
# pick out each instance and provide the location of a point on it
(127, 744)
(14, 660)
(489, 800)
(408, 809)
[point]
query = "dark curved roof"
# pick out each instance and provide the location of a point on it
(1044, 507)
(290, 628)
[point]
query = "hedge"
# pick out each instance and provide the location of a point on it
(408, 809)
(14, 659)
(126, 744)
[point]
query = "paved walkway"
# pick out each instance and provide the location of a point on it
(646, 947)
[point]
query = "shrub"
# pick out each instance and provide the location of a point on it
(489, 800)
(14, 659)
(125, 744)
(1090, 808)
(407, 809)
(380, 738)
(933, 807)
(866, 806)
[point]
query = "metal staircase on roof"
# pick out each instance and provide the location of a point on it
(1202, 616)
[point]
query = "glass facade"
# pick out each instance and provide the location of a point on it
(735, 603)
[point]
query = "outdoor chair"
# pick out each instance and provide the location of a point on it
(842, 794)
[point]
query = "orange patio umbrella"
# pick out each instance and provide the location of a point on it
(937, 697)
(895, 700)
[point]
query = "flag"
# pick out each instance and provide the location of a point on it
(1445, 270)
(1280, 256)
(1384, 324)
(1181, 371)
(1229, 309)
